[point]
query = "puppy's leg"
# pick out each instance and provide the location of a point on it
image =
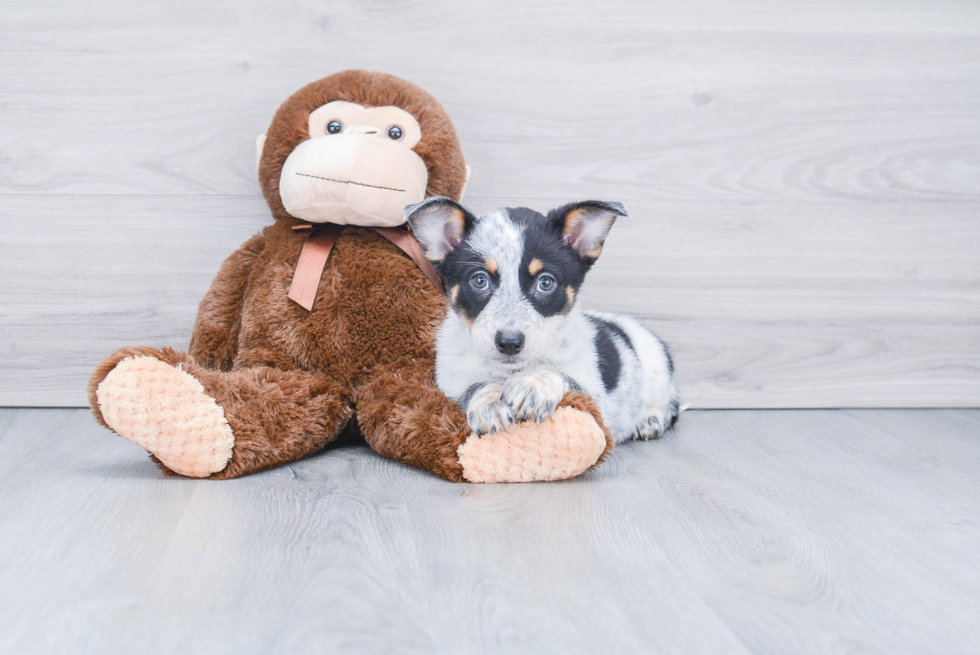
(662, 406)
(485, 411)
(534, 395)
(657, 420)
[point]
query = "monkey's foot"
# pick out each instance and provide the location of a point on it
(561, 447)
(166, 411)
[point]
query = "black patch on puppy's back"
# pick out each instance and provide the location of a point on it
(610, 363)
(616, 329)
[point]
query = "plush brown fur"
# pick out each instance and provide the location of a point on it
(288, 379)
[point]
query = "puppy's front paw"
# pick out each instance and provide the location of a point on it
(534, 396)
(487, 412)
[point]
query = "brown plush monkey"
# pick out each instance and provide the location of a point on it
(267, 380)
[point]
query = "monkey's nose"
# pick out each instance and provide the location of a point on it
(362, 129)
(510, 343)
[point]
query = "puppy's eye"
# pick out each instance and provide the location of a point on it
(480, 281)
(546, 283)
(333, 127)
(395, 133)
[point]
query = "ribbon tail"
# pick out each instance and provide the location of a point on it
(407, 243)
(309, 267)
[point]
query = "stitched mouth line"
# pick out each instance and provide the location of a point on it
(373, 186)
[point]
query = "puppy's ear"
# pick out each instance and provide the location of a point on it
(438, 224)
(584, 225)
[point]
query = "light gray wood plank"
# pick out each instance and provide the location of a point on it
(740, 531)
(76, 515)
(812, 171)
(343, 551)
(89, 274)
(950, 435)
(808, 532)
(763, 305)
(709, 101)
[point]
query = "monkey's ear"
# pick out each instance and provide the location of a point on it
(438, 224)
(259, 147)
(584, 225)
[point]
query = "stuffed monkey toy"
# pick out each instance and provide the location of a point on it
(325, 317)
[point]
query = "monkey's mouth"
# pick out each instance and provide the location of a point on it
(371, 186)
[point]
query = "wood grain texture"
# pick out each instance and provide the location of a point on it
(806, 178)
(738, 532)
(702, 100)
(792, 306)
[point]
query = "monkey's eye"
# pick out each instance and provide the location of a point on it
(546, 283)
(480, 281)
(333, 127)
(395, 133)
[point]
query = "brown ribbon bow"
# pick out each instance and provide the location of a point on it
(316, 251)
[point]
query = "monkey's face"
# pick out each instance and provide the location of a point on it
(358, 166)
(355, 148)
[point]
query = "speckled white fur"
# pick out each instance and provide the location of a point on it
(643, 403)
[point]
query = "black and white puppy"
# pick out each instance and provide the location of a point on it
(514, 341)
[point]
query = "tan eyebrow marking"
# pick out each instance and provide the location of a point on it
(535, 267)
(491, 266)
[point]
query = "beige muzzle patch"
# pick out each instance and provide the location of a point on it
(352, 179)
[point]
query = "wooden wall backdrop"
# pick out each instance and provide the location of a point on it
(804, 177)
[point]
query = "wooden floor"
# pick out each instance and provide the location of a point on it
(741, 532)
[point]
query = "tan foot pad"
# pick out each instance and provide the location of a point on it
(166, 411)
(559, 448)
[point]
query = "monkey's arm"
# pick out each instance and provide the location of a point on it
(214, 342)
(403, 415)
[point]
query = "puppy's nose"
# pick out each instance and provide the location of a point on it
(510, 343)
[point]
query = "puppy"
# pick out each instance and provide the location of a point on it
(514, 340)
